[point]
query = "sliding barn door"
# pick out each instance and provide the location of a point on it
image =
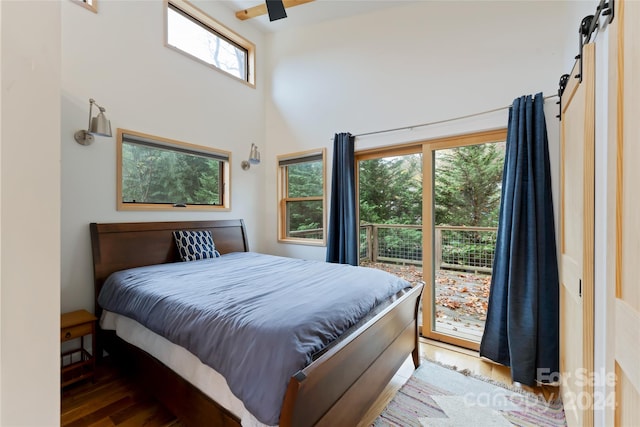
(624, 139)
(577, 236)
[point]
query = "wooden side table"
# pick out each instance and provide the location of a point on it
(77, 364)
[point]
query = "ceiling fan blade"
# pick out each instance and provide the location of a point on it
(276, 11)
(261, 9)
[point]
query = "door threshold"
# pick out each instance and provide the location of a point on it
(450, 347)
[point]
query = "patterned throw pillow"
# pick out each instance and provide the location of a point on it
(194, 245)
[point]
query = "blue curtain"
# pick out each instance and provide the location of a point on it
(522, 326)
(342, 245)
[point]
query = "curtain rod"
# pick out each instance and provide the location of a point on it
(442, 121)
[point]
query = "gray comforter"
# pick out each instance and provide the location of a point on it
(256, 319)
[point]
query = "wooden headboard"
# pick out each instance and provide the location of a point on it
(118, 246)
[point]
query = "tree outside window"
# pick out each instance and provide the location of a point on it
(302, 198)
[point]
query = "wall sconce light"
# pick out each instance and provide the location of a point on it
(254, 158)
(98, 125)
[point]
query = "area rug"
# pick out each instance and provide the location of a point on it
(438, 396)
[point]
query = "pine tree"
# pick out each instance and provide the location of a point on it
(305, 180)
(467, 185)
(391, 190)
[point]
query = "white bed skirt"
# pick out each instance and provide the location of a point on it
(181, 361)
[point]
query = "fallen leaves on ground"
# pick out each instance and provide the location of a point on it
(460, 296)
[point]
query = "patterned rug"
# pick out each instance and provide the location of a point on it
(438, 396)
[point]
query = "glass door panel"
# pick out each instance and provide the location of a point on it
(429, 213)
(466, 189)
(390, 213)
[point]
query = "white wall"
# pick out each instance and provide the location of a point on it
(423, 62)
(30, 213)
(118, 57)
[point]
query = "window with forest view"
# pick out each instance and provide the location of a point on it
(158, 173)
(302, 197)
(193, 32)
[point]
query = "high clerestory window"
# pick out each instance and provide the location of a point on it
(194, 33)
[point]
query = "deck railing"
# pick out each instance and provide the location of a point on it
(455, 248)
(460, 248)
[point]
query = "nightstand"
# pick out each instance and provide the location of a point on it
(78, 363)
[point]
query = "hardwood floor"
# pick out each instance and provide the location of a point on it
(115, 400)
(112, 400)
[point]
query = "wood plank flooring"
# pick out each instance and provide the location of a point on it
(115, 400)
(112, 400)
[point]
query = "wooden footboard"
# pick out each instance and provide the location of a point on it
(340, 386)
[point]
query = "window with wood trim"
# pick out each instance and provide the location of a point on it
(156, 173)
(194, 33)
(302, 189)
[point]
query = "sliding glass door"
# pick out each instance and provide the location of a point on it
(462, 202)
(429, 212)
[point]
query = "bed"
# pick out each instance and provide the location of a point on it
(335, 388)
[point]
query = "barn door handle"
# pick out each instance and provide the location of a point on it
(580, 288)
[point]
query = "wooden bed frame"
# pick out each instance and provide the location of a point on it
(336, 389)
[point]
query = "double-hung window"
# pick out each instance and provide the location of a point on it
(302, 216)
(194, 33)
